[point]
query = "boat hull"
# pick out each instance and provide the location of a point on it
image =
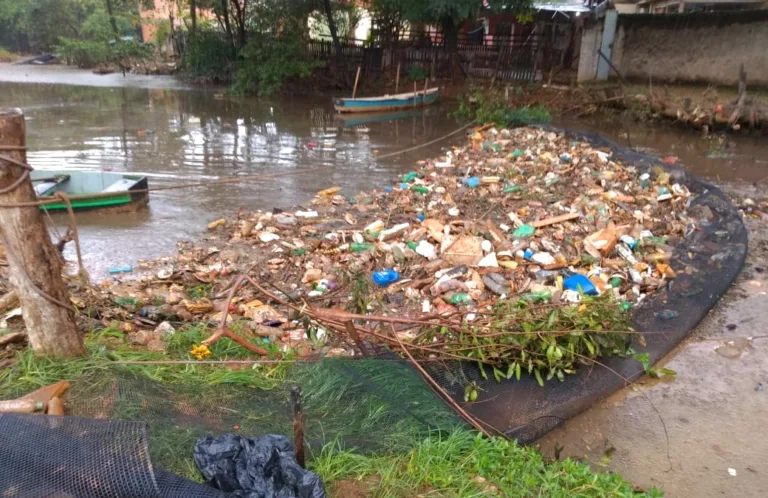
(386, 103)
(91, 190)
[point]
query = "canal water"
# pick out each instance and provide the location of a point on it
(179, 134)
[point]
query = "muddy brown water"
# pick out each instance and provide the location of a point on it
(714, 411)
(179, 136)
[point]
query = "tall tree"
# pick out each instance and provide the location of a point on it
(112, 20)
(334, 32)
(193, 16)
(35, 267)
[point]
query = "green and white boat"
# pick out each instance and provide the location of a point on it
(90, 189)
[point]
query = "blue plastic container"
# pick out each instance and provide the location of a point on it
(580, 283)
(385, 277)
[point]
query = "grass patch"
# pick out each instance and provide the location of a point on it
(463, 465)
(370, 422)
(7, 56)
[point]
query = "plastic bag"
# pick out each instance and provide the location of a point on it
(255, 467)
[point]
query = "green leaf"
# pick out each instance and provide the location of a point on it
(517, 371)
(537, 374)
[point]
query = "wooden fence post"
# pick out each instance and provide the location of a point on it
(34, 264)
(298, 425)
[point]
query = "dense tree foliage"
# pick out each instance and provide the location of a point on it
(257, 44)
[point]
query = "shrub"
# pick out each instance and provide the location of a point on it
(268, 61)
(490, 106)
(417, 73)
(89, 53)
(6, 56)
(209, 56)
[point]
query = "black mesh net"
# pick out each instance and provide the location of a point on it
(140, 430)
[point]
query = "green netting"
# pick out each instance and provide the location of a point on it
(371, 405)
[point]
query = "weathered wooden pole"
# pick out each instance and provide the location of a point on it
(35, 267)
(397, 79)
(298, 424)
(357, 78)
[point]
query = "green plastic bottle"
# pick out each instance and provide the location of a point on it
(461, 298)
(420, 189)
(511, 189)
(362, 246)
(538, 296)
(407, 178)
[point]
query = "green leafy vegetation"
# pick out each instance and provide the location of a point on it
(543, 340)
(89, 53)
(39, 25)
(268, 61)
(416, 73)
(209, 57)
(6, 56)
(462, 464)
(490, 106)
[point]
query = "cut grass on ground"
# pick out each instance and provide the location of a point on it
(464, 465)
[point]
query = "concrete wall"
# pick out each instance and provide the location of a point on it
(591, 38)
(693, 48)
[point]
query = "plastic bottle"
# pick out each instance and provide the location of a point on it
(544, 276)
(625, 306)
(523, 231)
(666, 314)
(657, 258)
(472, 181)
(361, 246)
(420, 189)
(511, 189)
(409, 177)
(121, 269)
(537, 296)
(461, 298)
(385, 277)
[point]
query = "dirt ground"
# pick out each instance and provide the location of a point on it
(714, 410)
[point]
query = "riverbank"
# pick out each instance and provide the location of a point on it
(60, 74)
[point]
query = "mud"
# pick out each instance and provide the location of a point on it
(714, 409)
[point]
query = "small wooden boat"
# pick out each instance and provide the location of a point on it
(387, 102)
(90, 189)
(357, 119)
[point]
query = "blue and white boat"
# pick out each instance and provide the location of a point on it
(387, 102)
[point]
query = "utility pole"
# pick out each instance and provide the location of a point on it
(34, 264)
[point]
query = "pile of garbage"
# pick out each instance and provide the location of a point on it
(520, 214)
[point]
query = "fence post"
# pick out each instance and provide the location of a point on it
(298, 424)
(34, 264)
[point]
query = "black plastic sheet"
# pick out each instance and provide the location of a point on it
(248, 467)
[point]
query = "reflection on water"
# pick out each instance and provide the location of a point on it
(178, 136)
(175, 136)
(717, 157)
